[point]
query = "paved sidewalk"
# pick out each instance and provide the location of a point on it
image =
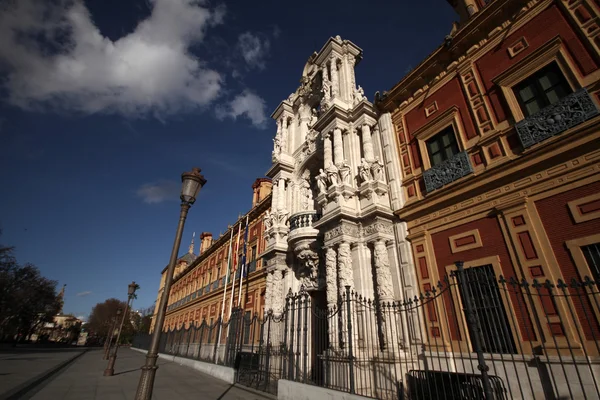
(21, 367)
(83, 380)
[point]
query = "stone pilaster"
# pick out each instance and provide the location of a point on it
(284, 135)
(281, 195)
(269, 291)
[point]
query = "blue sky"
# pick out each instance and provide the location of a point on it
(104, 103)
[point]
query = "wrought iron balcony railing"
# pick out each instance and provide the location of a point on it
(570, 111)
(215, 284)
(303, 219)
(448, 171)
(252, 266)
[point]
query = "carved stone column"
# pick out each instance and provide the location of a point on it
(277, 295)
(345, 272)
(269, 292)
(332, 294)
(385, 293)
(351, 61)
(327, 152)
(335, 81)
(338, 147)
(281, 195)
(367, 142)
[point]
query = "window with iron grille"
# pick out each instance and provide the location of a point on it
(442, 146)
(592, 256)
(482, 289)
(541, 89)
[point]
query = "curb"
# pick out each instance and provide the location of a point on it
(21, 390)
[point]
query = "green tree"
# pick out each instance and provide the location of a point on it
(27, 299)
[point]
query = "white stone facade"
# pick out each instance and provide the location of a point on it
(336, 181)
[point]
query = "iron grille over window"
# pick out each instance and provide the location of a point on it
(488, 307)
(442, 146)
(543, 88)
(592, 256)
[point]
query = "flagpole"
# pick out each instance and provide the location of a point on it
(237, 246)
(243, 262)
(225, 291)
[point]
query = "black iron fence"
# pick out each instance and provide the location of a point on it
(472, 336)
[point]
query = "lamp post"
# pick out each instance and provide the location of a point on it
(192, 182)
(108, 344)
(110, 369)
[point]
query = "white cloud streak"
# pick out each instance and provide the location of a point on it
(83, 294)
(246, 104)
(55, 58)
(254, 50)
(153, 193)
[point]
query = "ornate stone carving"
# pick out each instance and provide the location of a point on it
(570, 111)
(378, 227)
(377, 170)
(313, 117)
(311, 141)
(383, 275)
(309, 269)
(343, 229)
(331, 276)
(448, 171)
(345, 273)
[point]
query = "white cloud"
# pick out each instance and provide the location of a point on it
(82, 294)
(245, 104)
(158, 192)
(253, 49)
(54, 57)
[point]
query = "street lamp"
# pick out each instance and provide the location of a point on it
(110, 369)
(191, 184)
(108, 343)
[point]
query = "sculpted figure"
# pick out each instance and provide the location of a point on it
(321, 181)
(277, 144)
(377, 169)
(268, 221)
(345, 172)
(364, 170)
(332, 174)
(313, 117)
(305, 194)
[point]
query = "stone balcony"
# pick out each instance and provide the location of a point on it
(301, 226)
(447, 172)
(567, 113)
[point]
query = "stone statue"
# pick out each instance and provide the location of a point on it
(321, 181)
(364, 171)
(311, 139)
(277, 145)
(313, 117)
(345, 173)
(332, 174)
(268, 220)
(305, 194)
(358, 95)
(377, 170)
